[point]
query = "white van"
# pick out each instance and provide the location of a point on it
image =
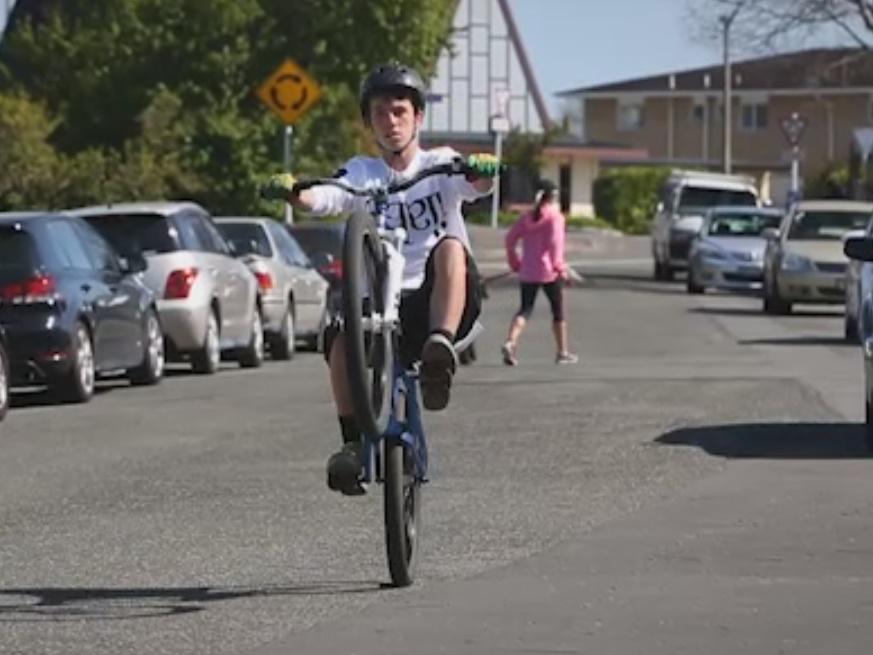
(684, 199)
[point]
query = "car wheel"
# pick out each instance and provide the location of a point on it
(252, 355)
(850, 329)
(691, 284)
(152, 368)
(283, 345)
(4, 383)
(77, 386)
(208, 358)
(868, 425)
(773, 302)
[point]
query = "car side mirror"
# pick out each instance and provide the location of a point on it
(132, 263)
(770, 233)
(860, 248)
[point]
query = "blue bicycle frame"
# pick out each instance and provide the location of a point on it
(409, 429)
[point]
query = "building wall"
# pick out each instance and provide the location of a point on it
(584, 170)
(697, 136)
(482, 65)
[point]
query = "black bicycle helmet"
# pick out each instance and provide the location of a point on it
(391, 78)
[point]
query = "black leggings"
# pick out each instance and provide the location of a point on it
(553, 291)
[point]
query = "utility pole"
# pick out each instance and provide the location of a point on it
(726, 22)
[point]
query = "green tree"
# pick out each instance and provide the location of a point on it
(103, 67)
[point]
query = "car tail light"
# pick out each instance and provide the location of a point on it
(333, 268)
(179, 283)
(38, 289)
(265, 280)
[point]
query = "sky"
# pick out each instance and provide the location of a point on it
(577, 43)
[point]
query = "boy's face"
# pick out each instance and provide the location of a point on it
(394, 121)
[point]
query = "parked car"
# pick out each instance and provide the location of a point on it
(684, 199)
(857, 284)
(4, 375)
(859, 248)
(728, 252)
(804, 260)
(293, 293)
(207, 300)
(72, 308)
(323, 243)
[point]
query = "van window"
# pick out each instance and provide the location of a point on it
(695, 198)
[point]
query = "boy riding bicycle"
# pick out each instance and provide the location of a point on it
(441, 300)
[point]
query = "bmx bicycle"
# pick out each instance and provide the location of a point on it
(384, 389)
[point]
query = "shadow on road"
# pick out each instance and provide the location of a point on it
(44, 397)
(103, 604)
(756, 311)
(774, 440)
(636, 282)
(799, 341)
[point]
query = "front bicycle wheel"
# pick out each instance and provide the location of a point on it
(402, 508)
(368, 339)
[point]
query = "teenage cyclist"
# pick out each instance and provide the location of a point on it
(441, 298)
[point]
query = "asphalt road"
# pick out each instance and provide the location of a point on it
(699, 478)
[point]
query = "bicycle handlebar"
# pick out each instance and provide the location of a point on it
(456, 166)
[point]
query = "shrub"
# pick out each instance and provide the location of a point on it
(626, 197)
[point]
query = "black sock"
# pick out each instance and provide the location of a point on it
(349, 429)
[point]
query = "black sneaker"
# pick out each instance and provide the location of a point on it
(344, 470)
(438, 365)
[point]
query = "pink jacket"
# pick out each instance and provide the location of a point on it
(542, 257)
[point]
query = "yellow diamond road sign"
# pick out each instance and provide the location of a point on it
(289, 92)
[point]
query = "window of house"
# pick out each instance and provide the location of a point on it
(630, 116)
(753, 117)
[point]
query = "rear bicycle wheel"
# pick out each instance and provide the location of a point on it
(402, 508)
(369, 341)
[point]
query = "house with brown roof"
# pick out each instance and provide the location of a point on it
(677, 118)
(486, 72)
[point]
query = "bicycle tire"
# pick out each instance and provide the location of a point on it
(369, 355)
(402, 509)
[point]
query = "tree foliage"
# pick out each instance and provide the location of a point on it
(154, 98)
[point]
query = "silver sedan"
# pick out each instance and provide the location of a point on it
(293, 293)
(728, 252)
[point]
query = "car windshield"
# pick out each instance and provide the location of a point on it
(826, 225)
(692, 198)
(136, 233)
(17, 251)
(314, 241)
(742, 224)
(246, 238)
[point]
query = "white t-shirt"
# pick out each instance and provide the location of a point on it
(428, 211)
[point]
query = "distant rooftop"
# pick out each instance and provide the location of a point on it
(827, 68)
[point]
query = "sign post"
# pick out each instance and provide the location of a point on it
(793, 127)
(289, 93)
(499, 126)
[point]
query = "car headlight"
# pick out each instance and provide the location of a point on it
(710, 253)
(796, 263)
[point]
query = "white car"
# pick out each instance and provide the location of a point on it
(804, 261)
(208, 301)
(293, 293)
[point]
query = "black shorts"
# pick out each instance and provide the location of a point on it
(415, 309)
